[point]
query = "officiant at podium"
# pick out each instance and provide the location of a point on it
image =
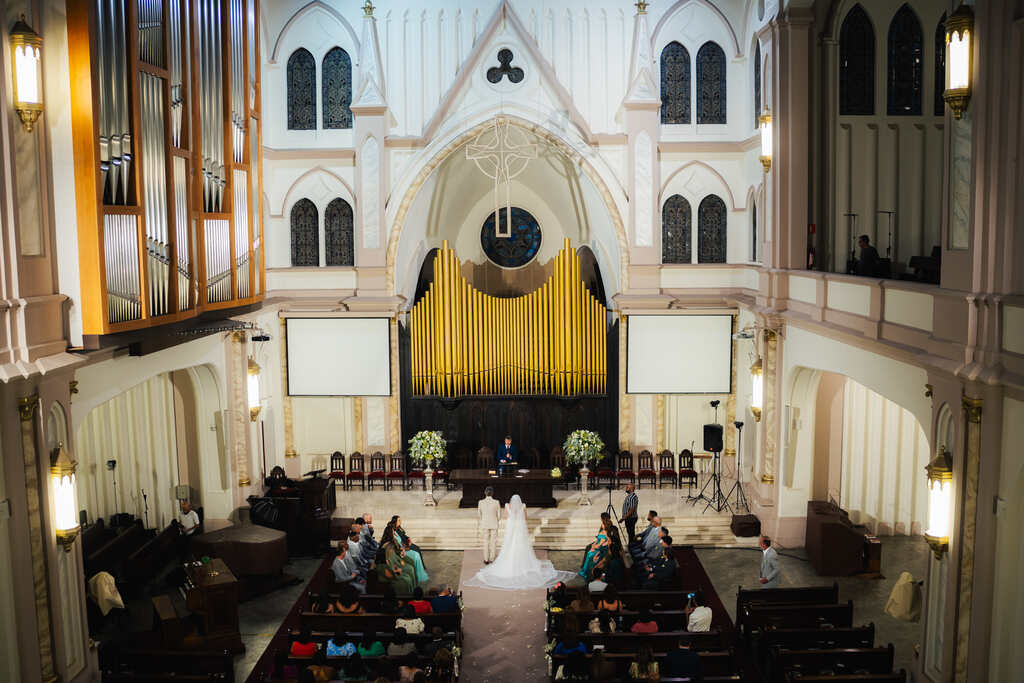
(507, 454)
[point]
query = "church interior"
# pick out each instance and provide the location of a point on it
(723, 290)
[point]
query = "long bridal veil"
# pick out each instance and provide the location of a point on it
(517, 567)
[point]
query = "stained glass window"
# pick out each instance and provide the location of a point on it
(514, 251)
(305, 234)
(753, 231)
(676, 223)
(710, 83)
(757, 84)
(301, 91)
(338, 239)
(711, 230)
(337, 89)
(906, 64)
(675, 84)
(940, 67)
(856, 64)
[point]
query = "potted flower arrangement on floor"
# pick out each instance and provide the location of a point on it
(581, 448)
(427, 448)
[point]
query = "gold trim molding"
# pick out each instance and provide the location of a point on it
(27, 406)
(973, 408)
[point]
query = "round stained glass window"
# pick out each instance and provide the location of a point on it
(514, 251)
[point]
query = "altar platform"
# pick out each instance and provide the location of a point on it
(567, 526)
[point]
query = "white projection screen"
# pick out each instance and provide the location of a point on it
(339, 357)
(679, 354)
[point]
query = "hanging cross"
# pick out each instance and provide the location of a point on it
(508, 158)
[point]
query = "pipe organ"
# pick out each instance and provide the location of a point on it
(552, 341)
(166, 125)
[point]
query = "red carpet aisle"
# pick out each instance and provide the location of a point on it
(503, 630)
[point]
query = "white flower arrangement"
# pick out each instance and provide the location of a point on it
(427, 448)
(582, 446)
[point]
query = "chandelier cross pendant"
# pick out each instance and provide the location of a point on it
(502, 153)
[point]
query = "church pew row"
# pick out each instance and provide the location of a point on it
(806, 638)
(368, 601)
(893, 677)
(141, 665)
(162, 678)
(145, 563)
(720, 663)
(371, 663)
(640, 599)
(875, 660)
(110, 556)
(449, 622)
(662, 641)
(383, 636)
(761, 617)
(805, 595)
(667, 620)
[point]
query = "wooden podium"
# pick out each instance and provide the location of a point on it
(213, 598)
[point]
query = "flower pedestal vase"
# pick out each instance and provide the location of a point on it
(584, 482)
(428, 478)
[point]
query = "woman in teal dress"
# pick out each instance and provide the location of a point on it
(396, 570)
(596, 552)
(414, 559)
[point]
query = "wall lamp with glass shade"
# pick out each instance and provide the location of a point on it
(62, 492)
(940, 502)
(959, 34)
(765, 126)
(757, 388)
(254, 390)
(26, 51)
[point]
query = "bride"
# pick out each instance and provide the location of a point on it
(516, 567)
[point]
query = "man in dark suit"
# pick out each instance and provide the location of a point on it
(682, 662)
(661, 572)
(507, 453)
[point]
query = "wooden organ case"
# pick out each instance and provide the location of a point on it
(166, 127)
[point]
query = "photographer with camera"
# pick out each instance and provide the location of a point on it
(698, 615)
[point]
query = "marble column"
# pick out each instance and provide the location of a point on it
(972, 409)
(239, 408)
(286, 402)
(625, 405)
(770, 420)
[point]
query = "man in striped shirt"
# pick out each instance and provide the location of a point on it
(629, 508)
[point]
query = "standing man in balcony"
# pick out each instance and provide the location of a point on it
(867, 264)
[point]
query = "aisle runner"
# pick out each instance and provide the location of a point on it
(503, 630)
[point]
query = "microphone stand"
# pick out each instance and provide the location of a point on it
(145, 506)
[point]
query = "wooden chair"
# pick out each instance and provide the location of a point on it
(415, 474)
(667, 469)
(338, 468)
(686, 469)
(396, 473)
(463, 457)
(645, 469)
(377, 471)
(625, 470)
(485, 458)
(605, 471)
(533, 459)
(356, 471)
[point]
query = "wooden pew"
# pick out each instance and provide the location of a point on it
(449, 622)
(659, 642)
(761, 617)
(640, 599)
(141, 665)
(823, 638)
(110, 556)
(667, 620)
(806, 595)
(162, 678)
(720, 663)
(875, 660)
(383, 636)
(892, 677)
(145, 563)
(368, 601)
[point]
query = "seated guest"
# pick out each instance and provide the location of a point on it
(345, 571)
(348, 601)
(324, 604)
(367, 541)
(559, 597)
(569, 642)
(574, 669)
(602, 623)
(637, 545)
(409, 621)
(389, 604)
(416, 559)
(609, 600)
(644, 668)
(442, 669)
(601, 670)
(362, 560)
(303, 645)
(340, 646)
(400, 644)
(645, 623)
(369, 646)
(396, 521)
(395, 568)
(436, 642)
(283, 671)
(419, 604)
(407, 670)
(698, 614)
(582, 603)
(445, 602)
(614, 567)
(661, 573)
(319, 668)
(654, 552)
(682, 662)
(354, 669)
(648, 543)
(598, 584)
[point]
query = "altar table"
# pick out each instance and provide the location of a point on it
(534, 487)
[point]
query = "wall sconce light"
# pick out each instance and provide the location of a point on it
(62, 490)
(940, 501)
(26, 50)
(765, 125)
(757, 392)
(959, 33)
(254, 390)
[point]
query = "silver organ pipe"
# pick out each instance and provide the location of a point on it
(151, 31)
(241, 186)
(251, 32)
(211, 103)
(154, 184)
(120, 249)
(237, 34)
(218, 260)
(257, 201)
(114, 114)
(181, 236)
(178, 67)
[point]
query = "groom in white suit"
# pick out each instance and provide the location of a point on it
(489, 511)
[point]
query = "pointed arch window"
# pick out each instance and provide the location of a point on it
(338, 234)
(856, 64)
(753, 231)
(711, 230)
(336, 84)
(305, 234)
(757, 84)
(676, 224)
(905, 75)
(301, 91)
(711, 84)
(939, 85)
(675, 84)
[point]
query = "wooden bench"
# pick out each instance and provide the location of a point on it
(893, 677)
(659, 642)
(806, 595)
(449, 622)
(162, 678)
(110, 556)
(140, 665)
(667, 620)
(639, 599)
(145, 563)
(761, 617)
(371, 601)
(720, 663)
(797, 638)
(383, 636)
(875, 660)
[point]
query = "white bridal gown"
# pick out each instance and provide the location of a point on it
(516, 567)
